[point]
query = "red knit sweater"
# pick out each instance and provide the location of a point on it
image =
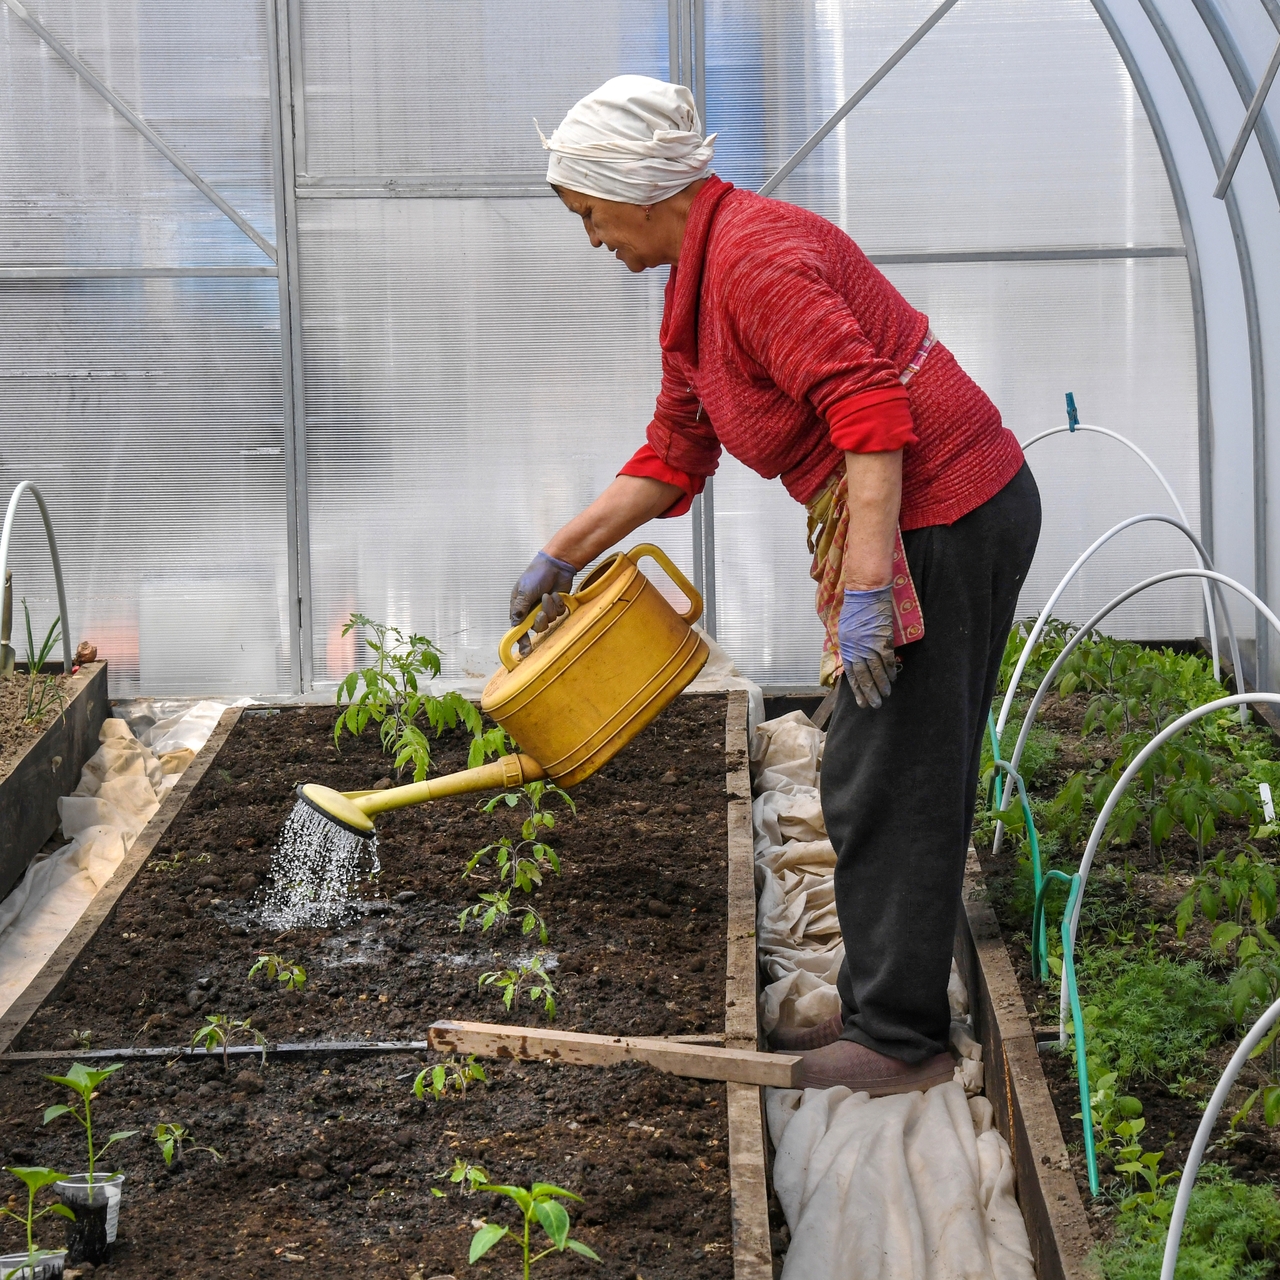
(782, 343)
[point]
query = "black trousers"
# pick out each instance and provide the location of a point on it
(899, 784)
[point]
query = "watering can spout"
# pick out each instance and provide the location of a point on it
(354, 810)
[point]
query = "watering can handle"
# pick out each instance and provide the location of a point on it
(504, 647)
(687, 589)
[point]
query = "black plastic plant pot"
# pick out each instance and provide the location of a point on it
(93, 1233)
(17, 1266)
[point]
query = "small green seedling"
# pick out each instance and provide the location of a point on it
(525, 860)
(281, 970)
(540, 1201)
(174, 1140)
(496, 908)
(35, 1180)
(41, 688)
(218, 1030)
(84, 1081)
(437, 1080)
(528, 974)
(389, 695)
(470, 1177)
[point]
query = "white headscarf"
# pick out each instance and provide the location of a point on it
(635, 139)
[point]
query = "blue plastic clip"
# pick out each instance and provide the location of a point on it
(1073, 416)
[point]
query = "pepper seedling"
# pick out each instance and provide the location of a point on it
(172, 1138)
(437, 1080)
(277, 968)
(34, 1179)
(84, 1081)
(221, 1030)
(471, 1177)
(540, 1201)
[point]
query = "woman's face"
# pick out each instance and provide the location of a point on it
(634, 239)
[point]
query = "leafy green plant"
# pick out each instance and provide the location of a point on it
(1232, 1232)
(437, 1080)
(34, 1179)
(525, 860)
(83, 1082)
(1236, 895)
(391, 695)
(41, 687)
(495, 908)
(528, 974)
(278, 969)
(1149, 1017)
(541, 1202)
(219, 1031)
(469, 1177)
(174, 1140)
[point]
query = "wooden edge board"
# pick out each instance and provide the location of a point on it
(544, 1044)
(1061, 1242)
(58, 966)
(748, 1176)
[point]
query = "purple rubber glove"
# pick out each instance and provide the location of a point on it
(538, 584)
(865, 633)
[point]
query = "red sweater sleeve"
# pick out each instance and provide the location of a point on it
(645, 462)
(804, 335)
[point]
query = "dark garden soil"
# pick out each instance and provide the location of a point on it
(16, 732)
(1138, 902)
(637, 946)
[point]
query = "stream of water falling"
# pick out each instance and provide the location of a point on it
(315, 866)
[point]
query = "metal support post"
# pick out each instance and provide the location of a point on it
(280, 37)
(1250, 121)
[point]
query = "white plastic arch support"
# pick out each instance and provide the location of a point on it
(1023, 657)
(1183, 1200)
(26, 486)
(1168, 488)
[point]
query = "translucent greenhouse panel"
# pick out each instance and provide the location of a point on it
(475, 376)
(1118, 335)
(1010, 126)
(79, 185)
(446, 91)
(149, 413)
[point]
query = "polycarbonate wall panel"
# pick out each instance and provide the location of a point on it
(476, 374)
(449, 91)
(1027, 332)
(79, 185)
(1009, 126)
(148, 412)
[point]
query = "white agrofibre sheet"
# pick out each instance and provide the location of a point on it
(913, 1187)
(119, 791)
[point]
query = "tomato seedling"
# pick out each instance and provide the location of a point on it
(219, 1030)
(173, 1138)
(437, 1080)
(528, 974)
(277, 968)
(470, 1177)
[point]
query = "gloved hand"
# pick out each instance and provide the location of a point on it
(865, 633)
(538, 584)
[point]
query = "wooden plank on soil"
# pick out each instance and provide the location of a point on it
(1019, 1095)
(56, 969)
(544, 1044)
(748, 1185)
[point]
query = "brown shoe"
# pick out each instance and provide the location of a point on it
(847, 1063)
(798, 1039)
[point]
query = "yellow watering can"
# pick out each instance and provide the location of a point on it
(587, 686)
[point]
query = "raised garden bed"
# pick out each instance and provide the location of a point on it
(1158, 991)
(330, 1155)
(42, 759)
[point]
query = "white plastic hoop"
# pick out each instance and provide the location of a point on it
(26, 486)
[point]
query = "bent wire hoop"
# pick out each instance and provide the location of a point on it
(26, 486)
(1205, 562)
(1039, 961)
(1183, 1199)
(1096, 545)
(1219, 580)
(1100, 826)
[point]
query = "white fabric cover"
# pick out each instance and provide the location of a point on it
(635, 139)
(119, 791)
(919, 1185)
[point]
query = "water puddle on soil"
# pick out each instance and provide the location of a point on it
(315, 867)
